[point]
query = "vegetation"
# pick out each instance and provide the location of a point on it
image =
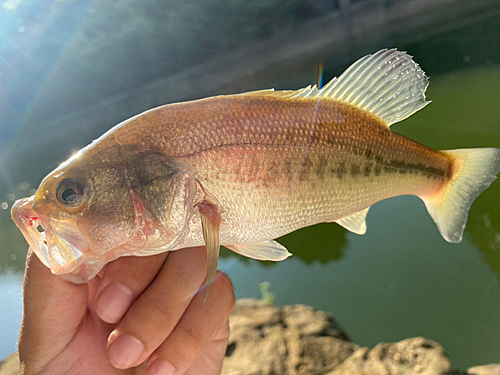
(267, 297)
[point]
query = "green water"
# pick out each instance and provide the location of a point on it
(399, 280)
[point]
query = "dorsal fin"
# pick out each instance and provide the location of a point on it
(388, 84)
(306, 92)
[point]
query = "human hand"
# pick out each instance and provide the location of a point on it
(141, 311)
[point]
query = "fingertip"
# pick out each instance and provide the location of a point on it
(161, 367)
(124, 351)
(113, 302)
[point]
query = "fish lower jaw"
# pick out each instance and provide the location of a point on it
(83, 273)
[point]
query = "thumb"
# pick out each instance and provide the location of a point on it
(53, 309)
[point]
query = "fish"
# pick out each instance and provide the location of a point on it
(242, 170)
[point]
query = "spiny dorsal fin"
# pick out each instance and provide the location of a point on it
(388, 84)
(306, 92)
(355, 223)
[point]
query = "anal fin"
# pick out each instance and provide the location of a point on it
(355, 223)
(266, 250)
(210, 223)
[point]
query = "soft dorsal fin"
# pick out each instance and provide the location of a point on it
(355, 223)
(388, 84)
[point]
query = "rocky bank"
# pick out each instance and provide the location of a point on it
(298, 340)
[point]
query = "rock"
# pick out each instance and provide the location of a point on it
(297, 340)
(290, 340)
(411, 356)
(10, 366)
(307, 321)
(493, 369)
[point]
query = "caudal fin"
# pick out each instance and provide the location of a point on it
(477, 169)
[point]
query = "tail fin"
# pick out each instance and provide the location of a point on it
(478, 168)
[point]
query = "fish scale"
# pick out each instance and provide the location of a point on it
(300, 171)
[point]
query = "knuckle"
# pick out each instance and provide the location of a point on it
(161, 307)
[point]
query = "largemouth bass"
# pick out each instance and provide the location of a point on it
(242, 170)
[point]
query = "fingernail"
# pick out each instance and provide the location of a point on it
(114, 301)
(125, 351)
(161, 367)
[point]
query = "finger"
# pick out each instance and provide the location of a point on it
(47, 296)
(212, 358)
(194, 333)
(123, 280)
(154, 315)
(209, 363)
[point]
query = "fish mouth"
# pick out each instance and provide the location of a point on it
(57, 243)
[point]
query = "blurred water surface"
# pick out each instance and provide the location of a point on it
(69, 70)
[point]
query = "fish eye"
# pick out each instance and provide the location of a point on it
(70, 193)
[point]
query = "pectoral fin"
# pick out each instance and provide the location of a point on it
(355, 223)
(210, 222)
(267, 250)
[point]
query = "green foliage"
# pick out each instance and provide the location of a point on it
(267, 296)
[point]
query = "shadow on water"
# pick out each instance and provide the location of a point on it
(484, 227)
(320, 243)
